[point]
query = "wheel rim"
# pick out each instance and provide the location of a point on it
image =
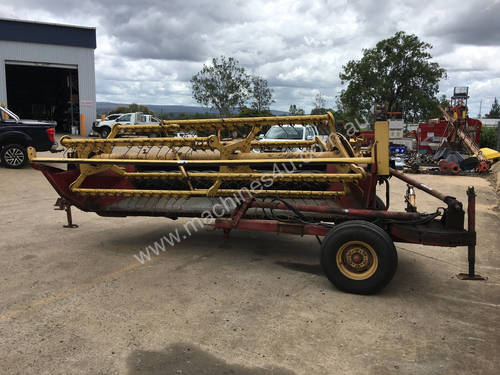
(14, 156)
(357, 260)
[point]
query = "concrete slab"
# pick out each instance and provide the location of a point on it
(77, 301)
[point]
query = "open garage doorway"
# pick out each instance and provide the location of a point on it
(44, 93)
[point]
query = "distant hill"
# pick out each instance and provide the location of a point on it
(105, 107)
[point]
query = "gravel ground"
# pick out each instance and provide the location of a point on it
(77, 301)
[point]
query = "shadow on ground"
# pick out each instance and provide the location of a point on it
(189, 360)
(130, 240)
(314, 269)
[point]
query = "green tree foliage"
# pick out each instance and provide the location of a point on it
(253, 112)
(132, 108)
(319, 105)
(398, 72)
(434, 112)
(223, 85)
(185, 116)
(320, 111)
(488, 137)
(495, 110)
(294, 111)
(340, 112)
(261, 94)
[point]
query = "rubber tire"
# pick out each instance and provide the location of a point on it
(373, 235)
(11, 146)
(105, 131)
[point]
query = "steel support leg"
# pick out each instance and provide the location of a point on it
(62, 204)
(471, 250)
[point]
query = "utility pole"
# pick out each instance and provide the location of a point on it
(480, 107)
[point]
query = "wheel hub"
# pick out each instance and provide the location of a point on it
(357, 260)
(14, 156)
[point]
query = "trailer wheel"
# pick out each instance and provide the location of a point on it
(358, 257)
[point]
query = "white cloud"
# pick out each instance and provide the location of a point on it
(147, 51)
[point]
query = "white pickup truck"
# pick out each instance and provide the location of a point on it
(103, 128)
(292, 133)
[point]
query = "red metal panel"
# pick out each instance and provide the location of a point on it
(61, 181)
(474, 129)
(429, 133)
(272, 226)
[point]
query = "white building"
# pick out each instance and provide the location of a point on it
(490, 122)
(47, 72)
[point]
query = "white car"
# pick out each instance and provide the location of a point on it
(136, 118)
(291, 133)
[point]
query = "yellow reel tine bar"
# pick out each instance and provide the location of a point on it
(176, 141)
(170, 141)
(198, 143)
(205, 192)
(318, 177)
(216, 162)
(223, 124)
(245, 121)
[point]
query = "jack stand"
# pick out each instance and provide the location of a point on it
(471, 255)
(471, 275)
(62, 204)
(471, 251)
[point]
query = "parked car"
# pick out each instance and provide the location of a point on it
(135, 118)
(292, 133)
(110, 119)
(17, 134)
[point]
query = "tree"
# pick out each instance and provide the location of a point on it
(495, 110)
(261, 94)
(223, 85)
(434, 112)
(488, 137)
(319, 105)
(319, 101)
(252, 112)
(132, 108)
(397, 72)
(294, 111)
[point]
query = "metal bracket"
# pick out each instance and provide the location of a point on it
(62, 204)
(238, 213)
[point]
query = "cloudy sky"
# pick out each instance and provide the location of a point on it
(148, 50)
